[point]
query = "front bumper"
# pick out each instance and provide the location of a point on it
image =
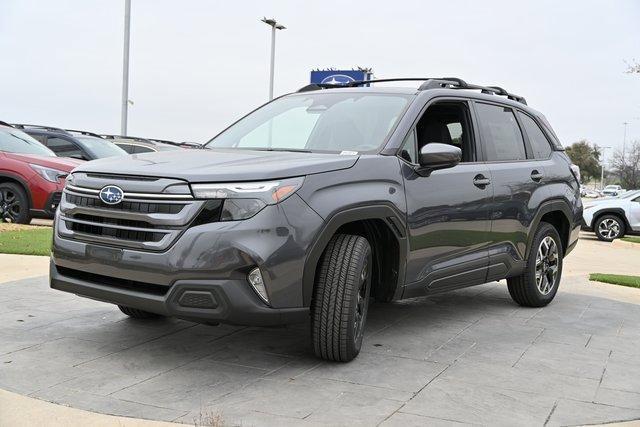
(225, 301)
(209, 261)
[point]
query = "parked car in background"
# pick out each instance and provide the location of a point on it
(612, 190)
(73, 143)
(589, 192)
(31, 177)
(613, 217)
(136, 145)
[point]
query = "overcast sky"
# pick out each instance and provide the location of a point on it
(196, 65)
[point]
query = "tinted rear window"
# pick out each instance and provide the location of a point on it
(501, 134)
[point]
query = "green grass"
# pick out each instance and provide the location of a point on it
(632, 239)
(616, 279)
(36, 241)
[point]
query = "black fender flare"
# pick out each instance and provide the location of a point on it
(546, 207)
(21, 181)
(389, 214)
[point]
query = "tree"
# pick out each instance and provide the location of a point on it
(633, 67)
(627, 166)
(587, 157)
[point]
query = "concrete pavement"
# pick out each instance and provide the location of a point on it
(470, 357)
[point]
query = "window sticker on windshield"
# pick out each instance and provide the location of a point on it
(348, 153)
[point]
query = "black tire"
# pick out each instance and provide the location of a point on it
(609, 227)
(341, 298)
(533, 290)
(137, 314)
(14, 204)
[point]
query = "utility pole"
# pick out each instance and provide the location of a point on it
(125, 68)
(274, 26)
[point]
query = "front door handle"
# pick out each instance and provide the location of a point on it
(481, 181)
(536, 176)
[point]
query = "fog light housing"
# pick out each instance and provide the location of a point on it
(255, 280)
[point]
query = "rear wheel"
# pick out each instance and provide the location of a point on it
(137, 314)
(341, 298)
(609, 227)
(538, 284)
(14, 204)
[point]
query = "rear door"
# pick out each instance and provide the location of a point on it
(518, 180)
(634, 214)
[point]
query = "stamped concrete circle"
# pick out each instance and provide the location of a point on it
(471, 356)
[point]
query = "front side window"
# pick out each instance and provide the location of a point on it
(500, 132)
(15, 141)
(318, 122)
(539, 143)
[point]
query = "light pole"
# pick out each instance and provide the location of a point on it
(602, 166)
(274, 26)
(624, 138)
(125, 68)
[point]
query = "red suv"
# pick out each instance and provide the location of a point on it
(31, 177)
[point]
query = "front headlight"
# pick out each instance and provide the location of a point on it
(243, 200)
(51, 175)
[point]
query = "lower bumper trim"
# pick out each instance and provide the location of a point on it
(232, 301)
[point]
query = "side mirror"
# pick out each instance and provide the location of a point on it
(434, 156)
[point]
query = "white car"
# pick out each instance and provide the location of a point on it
(612, 190)
(613, 217)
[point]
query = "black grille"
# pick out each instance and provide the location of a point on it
(116, 233)
(132, 285)
(113, 221)
(141, 207)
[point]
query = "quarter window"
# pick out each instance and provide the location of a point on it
(63, 148)
(501, 134)
(539, 143)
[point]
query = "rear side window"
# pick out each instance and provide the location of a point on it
(129, 148)
(539, 143)
(63, 148)
(500, 132)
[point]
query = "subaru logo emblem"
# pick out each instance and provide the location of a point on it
(337, 79)
(111, 195)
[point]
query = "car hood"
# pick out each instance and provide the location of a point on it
(221, 165)
(60, 163)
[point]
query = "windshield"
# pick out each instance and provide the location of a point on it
(320, 122)
(101, 148)
(15, 141)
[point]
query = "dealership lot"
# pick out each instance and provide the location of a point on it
(470, 356)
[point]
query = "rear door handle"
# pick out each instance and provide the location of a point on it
(536, 176)
(481, 181)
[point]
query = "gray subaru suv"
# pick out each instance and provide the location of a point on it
(320, 200)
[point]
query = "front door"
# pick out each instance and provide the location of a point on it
(448, 212)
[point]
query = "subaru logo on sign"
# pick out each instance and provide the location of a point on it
(111, 194)
(337, 79)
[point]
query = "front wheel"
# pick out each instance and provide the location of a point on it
(609, 227)
(14, 204)
(538, 283)
(341, 298)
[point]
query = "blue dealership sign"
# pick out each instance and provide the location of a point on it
(337, 77)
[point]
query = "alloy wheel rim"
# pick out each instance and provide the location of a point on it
(547, 263)
(609, 228)
(9, 206)
(361, 301)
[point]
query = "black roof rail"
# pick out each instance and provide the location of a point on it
(27, 126)
(5, 124)
(132, 138)
(429, 83)
(83, 132)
